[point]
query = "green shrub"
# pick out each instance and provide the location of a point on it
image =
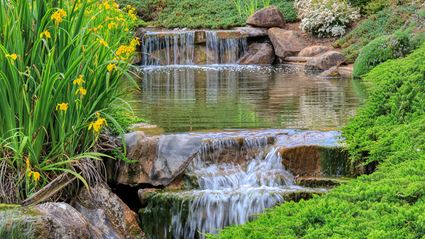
(388, 203)
(325, 18)
(380, 50)
(385, 22)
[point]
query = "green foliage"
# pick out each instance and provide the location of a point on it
(395, 103)
(385, 22)
(382, 49)
(388, 203)
(214, 14)
(58, 81)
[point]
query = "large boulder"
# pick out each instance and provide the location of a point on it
(267, 17)
(101, 207)
(311, 51)
(286, 42)
(258, 54)
(325, 61)
(46, 221)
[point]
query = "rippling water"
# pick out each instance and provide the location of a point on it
(189, 98)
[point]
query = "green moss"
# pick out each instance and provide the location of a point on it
(388, 203)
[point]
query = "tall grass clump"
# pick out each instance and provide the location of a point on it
(246, 8)
(60, 67)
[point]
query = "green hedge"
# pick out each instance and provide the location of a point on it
(386, 204)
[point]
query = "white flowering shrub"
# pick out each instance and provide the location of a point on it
(326, 17)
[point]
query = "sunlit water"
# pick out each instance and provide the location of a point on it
(191, 98)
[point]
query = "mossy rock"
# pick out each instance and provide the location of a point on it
(316, 161)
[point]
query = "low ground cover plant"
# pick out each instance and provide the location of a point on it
(213, 14)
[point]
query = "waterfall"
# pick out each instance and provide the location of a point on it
(224, 51)
(230, 193)
(168, 48)
(179, 47)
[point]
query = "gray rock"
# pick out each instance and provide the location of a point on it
(175, 152)
(325, 61)
(313, 51)
(259, 54)
(267, 17)
(286, 42)
(104, 209)
(158, 160)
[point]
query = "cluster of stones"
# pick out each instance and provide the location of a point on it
(96, 213)
(283, 45)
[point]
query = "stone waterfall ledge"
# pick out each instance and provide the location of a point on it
(162, 160)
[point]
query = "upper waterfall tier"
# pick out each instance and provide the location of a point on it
(192, 47)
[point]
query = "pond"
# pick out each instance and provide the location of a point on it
(214, 97)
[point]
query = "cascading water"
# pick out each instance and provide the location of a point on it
(168, 48)
(179, 47)
(228, 193)
(224, 51)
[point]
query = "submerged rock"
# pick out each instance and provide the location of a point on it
(332, 72)
(267, 17)
(102, 208)
(258, 54)
(286, 42)
(325, 61)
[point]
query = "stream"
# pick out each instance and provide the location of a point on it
(246, 117)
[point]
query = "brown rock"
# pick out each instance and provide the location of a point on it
(258, 54)
(267, 17)
(105, 210)
(286, 42)
(313, 51)
(325, 61)
(315, 161)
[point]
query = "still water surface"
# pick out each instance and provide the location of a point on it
(193, 98)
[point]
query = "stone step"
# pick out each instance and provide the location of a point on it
(296, 59)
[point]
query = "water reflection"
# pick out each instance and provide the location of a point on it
(185, 98)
